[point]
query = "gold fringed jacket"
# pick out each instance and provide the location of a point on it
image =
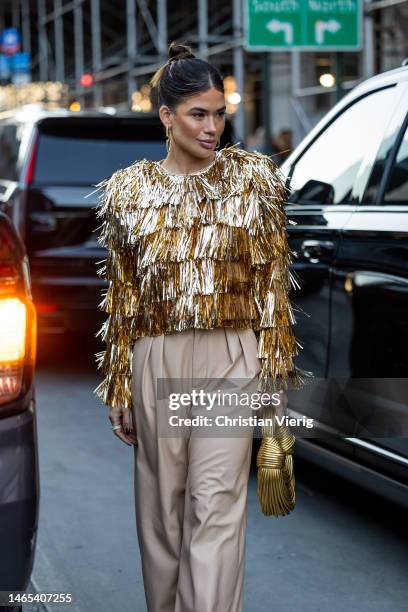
(203, 250)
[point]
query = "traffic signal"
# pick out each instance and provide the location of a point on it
(86, 80)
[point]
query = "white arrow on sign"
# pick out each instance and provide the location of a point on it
(321, 27)
(275, 26)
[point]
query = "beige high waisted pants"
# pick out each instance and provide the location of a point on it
(191, 492)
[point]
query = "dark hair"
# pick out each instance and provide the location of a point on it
(184, 75)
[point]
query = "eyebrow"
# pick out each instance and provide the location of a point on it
(204, 110)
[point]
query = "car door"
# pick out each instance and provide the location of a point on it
(368, 349)
(325, 182)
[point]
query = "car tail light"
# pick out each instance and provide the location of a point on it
(30, 169)
(45, 308)
(17, 316)
(12, 347)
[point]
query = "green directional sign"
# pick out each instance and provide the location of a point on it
(334, 25)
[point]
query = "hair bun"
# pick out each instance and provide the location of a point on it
(179, 51)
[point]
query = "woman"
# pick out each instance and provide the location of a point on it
(198, 287)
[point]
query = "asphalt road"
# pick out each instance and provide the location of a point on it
(341, 549)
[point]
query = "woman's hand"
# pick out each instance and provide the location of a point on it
(124, 417)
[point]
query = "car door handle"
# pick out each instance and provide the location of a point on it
(314, 249)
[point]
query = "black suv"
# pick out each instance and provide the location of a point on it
(348, 224)
(19, 478)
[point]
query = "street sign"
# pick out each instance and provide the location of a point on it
(21, 68)
(10, 41)
(279, 25)
(21, 62)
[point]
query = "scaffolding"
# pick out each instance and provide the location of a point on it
(122, 42)
(125, 40)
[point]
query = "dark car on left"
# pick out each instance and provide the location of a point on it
(19, 474)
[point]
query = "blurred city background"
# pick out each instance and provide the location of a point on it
(84, 54)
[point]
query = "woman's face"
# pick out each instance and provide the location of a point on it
(197, 123)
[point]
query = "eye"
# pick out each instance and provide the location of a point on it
(198, 114)
(222, 113)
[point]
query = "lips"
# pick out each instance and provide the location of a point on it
(208, 142)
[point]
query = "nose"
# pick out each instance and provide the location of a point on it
(210, 126)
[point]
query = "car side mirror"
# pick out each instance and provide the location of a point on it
(314, 192)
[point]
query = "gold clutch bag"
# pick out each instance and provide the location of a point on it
(276, 478)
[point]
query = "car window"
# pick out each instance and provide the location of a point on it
(85, 156)
(396, 191)
(326, 172)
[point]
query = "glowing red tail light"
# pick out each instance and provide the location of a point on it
(17, 315)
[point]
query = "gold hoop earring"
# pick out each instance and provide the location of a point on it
(168, 143)
(218, 143)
